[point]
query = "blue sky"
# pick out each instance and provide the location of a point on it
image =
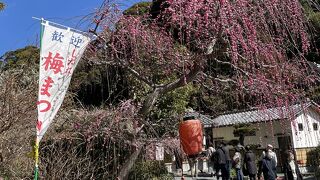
(18, 29)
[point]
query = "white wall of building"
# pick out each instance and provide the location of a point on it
(308, 137)
(267, 132)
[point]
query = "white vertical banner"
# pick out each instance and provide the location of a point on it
(61, 50)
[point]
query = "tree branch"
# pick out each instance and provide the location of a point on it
(132, 71)
(233, 66)
(227, 80)
(185, 79)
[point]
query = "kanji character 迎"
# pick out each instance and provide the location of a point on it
(76, 41)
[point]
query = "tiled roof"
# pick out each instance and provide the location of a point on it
(206, 120)
(251, 116)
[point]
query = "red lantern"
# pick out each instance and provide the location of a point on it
(191, 136)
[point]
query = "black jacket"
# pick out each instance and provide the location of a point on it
(288, 171)
(220, 156)
(250, 162)
(268, 168)
(226, 152)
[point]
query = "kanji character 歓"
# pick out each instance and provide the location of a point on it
(57, 36)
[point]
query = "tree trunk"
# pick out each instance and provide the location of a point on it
(129, 164)
(149, 102)
(148, 105)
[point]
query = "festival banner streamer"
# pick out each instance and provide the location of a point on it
(61, 50)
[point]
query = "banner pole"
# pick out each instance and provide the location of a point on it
(36, 146)
(36, 156)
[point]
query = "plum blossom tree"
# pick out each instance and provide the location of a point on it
(260, 43)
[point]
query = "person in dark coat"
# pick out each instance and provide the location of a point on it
(178, 159)
(249, 161)
(291, 168)
(268, 167)
(228, 159)
(220, 163)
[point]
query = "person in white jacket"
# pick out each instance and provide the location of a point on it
(210, 159)
(237, 159)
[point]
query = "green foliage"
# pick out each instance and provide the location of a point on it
(2, 6)
(174, 102)
(315, 19)
(97, 85)
(155, 170)
(27, 56)
(314, 94)
(233, 173)
(311, 10)
(140, 8)
(313, 160)
(214, 102)
(313, 15)
(244, 129)
(165, 114)
(313, 157)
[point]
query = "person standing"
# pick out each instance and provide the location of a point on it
(237, 163)
(291, 168)
(271, 152)
(250, 163)
(221, 163)
(228, 159)
(211, 159)
(268, 167)
(177, 159)
(201, 159)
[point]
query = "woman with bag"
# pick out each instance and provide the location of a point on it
(237, 163)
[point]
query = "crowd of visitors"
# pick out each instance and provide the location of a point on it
(244, 163)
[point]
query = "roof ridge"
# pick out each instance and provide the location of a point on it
(236, 111)
(254, 114)
(270, 108)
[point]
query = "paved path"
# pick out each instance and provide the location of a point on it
(214, 178)
(206, 176)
